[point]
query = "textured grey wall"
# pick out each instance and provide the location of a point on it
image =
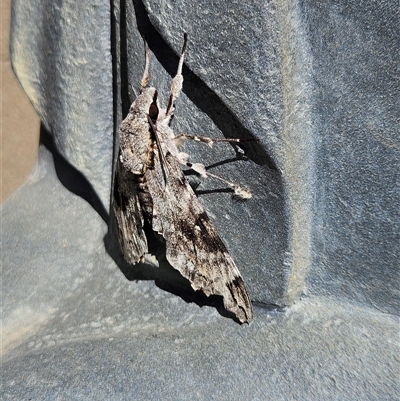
(356, 219)
(317, 85)
(61, 54)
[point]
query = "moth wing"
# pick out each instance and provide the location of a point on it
(193, 246)
(135, 138)
(129, 215)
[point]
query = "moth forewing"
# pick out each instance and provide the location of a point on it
(151, 187)
(135, 137)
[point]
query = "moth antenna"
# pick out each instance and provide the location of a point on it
(177, 82)
(145, 78)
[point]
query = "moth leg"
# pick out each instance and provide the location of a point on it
(181, 138)
(239, 192)
(145, 78)
(177, 81)
(200, 169)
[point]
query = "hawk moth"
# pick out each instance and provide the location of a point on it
(150, 188)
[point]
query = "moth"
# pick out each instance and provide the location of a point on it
(150, 189)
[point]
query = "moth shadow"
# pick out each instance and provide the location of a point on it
(70, 177)
(164, 275)
(198, 297)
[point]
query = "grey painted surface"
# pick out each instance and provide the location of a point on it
(356, 231)
(318, 86)
(75, 328)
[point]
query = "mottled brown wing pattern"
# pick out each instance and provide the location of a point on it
(134, 158)
(129, 215)
(193, 246)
